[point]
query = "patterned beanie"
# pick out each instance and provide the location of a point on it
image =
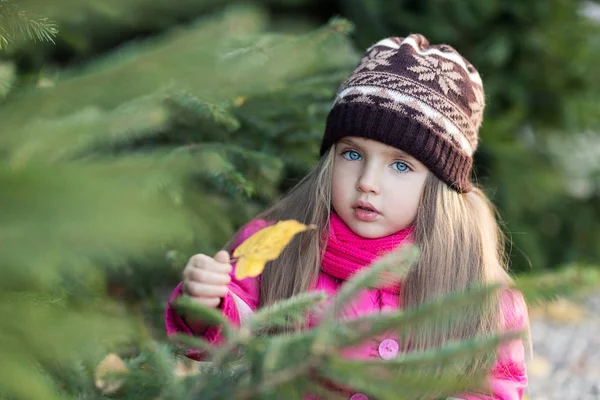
(423, 99)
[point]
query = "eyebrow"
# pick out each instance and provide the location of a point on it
(348, 141)
(393, 153)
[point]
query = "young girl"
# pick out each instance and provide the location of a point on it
(395, 164)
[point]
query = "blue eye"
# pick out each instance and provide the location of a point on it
(351, 155)
(401, 166)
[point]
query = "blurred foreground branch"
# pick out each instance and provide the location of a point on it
(15, 22)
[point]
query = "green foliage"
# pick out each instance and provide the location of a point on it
(571, 280)
(125, 167)
(7, 77)
(279, 365)
(187, 307)
(14, 23)
(278, 315)
(153, 130)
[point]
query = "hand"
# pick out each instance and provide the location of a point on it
(205, 279)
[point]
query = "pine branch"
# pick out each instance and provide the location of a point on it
(568, 281)
(285, 313)
(223, 163)
(323, 393)
(450, 306)
(446, 355)
(85, 131)
(189, 110)
(89, 210)
(277, 379)
(7, 78)
(14, 23)
(216, 385)
(156, 374)
(193, 342)
(382, 383)
(284, 350)
(189, 308)
(395, 264)
(167, 64)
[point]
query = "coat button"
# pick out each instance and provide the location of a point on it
(359, 396)
(388, 349)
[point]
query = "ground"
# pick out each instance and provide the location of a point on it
(566, 346)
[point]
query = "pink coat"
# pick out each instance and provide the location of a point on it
(508, 378)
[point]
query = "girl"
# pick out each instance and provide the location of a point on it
(395, 165)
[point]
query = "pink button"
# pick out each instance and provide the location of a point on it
(359, 396)
(388, 349)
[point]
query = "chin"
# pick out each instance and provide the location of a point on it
(366, 230)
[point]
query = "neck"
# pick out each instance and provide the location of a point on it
(348, 253)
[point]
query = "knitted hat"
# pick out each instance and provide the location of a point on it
(423, 99)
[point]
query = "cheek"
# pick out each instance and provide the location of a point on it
(409, 201)
(338, 186)
(413, 207)
(409, 198)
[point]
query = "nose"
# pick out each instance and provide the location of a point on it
(369, 180)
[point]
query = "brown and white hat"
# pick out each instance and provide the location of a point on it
(424, 99)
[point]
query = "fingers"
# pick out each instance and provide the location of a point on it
(209, 295)
(203, 261)
(205, 279)
(197, 289)
(207, 276)
(222, 257)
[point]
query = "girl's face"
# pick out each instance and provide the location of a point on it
(376, 188)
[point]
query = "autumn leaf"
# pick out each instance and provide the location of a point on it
(186, 368)
(249, 267)
(265, 245)
(111, 365)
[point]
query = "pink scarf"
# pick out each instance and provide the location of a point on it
(347, 253)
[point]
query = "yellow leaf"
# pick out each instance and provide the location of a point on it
(265, 245)
(111, 365)
(249, 267)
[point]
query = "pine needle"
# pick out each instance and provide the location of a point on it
(15, 23)
(285, 313)
(193, 342)
(450, 306)
(190, 308)
(395, 264)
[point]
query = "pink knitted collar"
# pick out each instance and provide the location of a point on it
(347, 253)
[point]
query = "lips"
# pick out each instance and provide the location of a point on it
(365, 212)
(365, 206)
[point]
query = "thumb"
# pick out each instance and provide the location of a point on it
(222, 257)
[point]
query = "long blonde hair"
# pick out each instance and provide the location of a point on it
(458, 235)
(461, 246)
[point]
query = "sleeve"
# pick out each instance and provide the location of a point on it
(237, 305)
(508, 378)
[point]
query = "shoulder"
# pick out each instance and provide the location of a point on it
(248, 230)
(514, 309)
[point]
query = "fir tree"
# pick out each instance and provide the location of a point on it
(117, 164)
